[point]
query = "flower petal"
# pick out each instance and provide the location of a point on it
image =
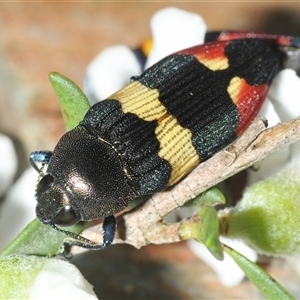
(61, 280)
(8, 163)
(228, 272)
(109, 72)
(174, 29)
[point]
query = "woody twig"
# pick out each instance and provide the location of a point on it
(144, 225)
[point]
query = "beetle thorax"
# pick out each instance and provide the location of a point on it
(91, 174)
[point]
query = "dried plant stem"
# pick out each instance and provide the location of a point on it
(144, 225)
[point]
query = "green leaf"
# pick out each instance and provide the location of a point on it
(208, 231)
(74, 104)
(204, 227)
(210, 197)
(38, 239)
(267, 285)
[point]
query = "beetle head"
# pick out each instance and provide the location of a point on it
(85, 180)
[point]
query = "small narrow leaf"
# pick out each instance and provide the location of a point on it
(210, 197)
(74, 104)
(204, 227)
(208, 231)
(267, 285)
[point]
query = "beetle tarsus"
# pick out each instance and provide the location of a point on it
(39, 157)
(109, 230)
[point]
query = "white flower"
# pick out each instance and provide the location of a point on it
(19, 204)
(32, 277)
(173, 29)
(8, 163)
(59, 279)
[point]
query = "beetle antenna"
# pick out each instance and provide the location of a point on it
(76, 238)
(109, 228)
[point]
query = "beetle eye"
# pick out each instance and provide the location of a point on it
(45, 183)
(66, 217)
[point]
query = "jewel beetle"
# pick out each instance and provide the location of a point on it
(153, 132)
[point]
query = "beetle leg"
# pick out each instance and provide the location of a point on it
(109, 230)
(39, 157)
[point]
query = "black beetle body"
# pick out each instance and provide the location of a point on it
(155, 130)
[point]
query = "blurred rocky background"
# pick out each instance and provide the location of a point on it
(39, 37)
